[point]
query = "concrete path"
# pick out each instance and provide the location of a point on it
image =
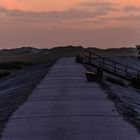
(64, 106)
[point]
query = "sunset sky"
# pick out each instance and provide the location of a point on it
(90, 23)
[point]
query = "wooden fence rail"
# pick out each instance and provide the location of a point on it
(111, 66)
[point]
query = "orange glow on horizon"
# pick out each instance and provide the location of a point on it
(46, 5)
(69, 22)
(39, 5)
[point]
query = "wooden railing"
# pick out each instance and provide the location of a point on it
(111, 66)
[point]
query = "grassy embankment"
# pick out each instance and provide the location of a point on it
(15, 59)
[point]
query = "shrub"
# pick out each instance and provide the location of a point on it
(13, 65)
(135, 82)
(3, 74)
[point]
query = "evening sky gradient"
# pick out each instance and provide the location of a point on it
(90, 23)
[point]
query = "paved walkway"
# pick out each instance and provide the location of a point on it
(64, 106)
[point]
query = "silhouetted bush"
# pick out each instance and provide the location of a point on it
(3, 74)
(14, 65)
(116, 81)
(135, 82)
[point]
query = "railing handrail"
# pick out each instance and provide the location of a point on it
(126, 69)
(111, 60)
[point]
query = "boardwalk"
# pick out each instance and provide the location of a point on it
(64, 106)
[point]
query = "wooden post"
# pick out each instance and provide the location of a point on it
(138, 74)
(103, 63)
(115, 67)
(89, 57)
(126, 71)
(138, 48)
(100, 64)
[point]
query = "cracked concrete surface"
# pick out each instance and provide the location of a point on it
(64, 106)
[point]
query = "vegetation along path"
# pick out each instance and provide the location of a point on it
(64, 106)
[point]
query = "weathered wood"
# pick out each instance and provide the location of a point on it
(91, 76)
(112, 66)
(115, 67)
(89, 58)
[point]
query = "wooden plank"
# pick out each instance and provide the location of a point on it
(112, 66)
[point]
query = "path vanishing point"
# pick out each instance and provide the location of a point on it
(64, 106)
